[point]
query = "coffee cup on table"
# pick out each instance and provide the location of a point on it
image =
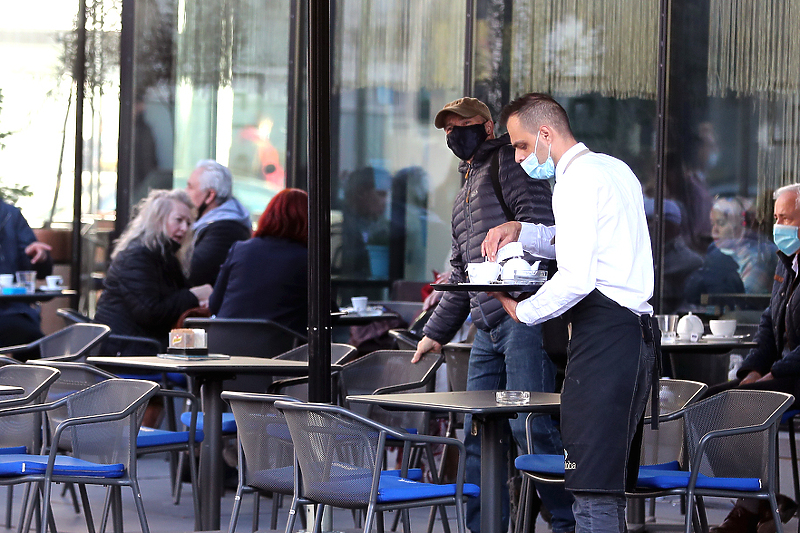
(722, 328)
(54, 282)
(359, 303)
(6, 280)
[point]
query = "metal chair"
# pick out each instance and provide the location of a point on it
(143, 345)
(69, 344)
(266, 453)
(255, 337)
(659, 447)
(339, 455)
(78, 376)
(101, 428)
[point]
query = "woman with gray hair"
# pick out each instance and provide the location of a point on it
(146, 289)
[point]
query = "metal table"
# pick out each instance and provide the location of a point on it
(701, 360)
(487, 412)
(38, 296)
(210, 373)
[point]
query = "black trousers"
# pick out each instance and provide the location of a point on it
(20, 329)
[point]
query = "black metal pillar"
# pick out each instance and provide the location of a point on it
(319, 202)
(126, 129)
(469, 43)
(79, 73)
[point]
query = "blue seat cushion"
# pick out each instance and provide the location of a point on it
(398, 489)
(14, 450)
(174, 378)
(228, 422)
(281, 479)
(791, 413)
(675, 479)
(540, 463)
(15, 465)
(159, 437)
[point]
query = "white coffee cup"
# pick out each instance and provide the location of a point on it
(54, 282)
(722, 328)
(359, 303)
(6, 280)
(483, 272)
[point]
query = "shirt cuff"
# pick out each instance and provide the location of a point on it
(527, 313)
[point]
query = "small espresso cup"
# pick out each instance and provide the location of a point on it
(54, 282)
(359, 303)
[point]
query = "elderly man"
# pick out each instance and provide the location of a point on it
(221, 220)
(775, 363)
(19, 250)
(604, 279)
(505, 354)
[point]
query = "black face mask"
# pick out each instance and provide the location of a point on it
(465, 140)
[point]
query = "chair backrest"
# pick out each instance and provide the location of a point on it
(340, 353)
(24, 429)
(404, 338)
(390, 371)
(264, 441)
(112, 441)
(666, 444)
(247, 336)
(456, 359)
(72, 343)
(72, 316)
(337, 451)
(738, 455)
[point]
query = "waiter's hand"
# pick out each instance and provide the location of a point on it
(752, 377)
(498, 237)
(425, 345)
(768, 376)
(509, 303)
(37, 251)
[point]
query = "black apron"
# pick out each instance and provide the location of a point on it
(608, 378)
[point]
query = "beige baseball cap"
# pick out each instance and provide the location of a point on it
(465, 107)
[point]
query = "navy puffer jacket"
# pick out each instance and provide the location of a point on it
(476, 210)
(779, 328)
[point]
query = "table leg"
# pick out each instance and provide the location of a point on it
(211, 456)
(492, 465)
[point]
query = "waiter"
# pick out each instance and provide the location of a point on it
(604, 279)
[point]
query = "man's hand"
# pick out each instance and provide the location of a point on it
(202, 292)
(425, 345)
(752, 377)
(498, 237)
(509, 303)
(37, 251)
(767, 377)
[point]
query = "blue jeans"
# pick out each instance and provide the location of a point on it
(599, 512)
(511, 357)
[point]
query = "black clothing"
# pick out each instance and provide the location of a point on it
(779, 329)
(605, 336)
(145, 293)
(211, 246)
(264, 277)
(476, 211)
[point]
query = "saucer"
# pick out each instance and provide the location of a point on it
(723, 338)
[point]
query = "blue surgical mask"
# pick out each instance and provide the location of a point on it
(785, 238)
(536, 170)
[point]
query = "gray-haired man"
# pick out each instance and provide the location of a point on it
(221, 219)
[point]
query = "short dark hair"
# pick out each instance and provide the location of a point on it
(535, 109)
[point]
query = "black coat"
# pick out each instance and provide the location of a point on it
(211, 247)
(476, 210)
(264, 277)
(145, 293)
(779, 328)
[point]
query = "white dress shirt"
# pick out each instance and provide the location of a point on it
(603, 242)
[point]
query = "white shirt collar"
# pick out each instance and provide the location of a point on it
(567, 157)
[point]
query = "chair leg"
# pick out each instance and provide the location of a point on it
(137, 498)
(292, 514)
(237, 504)
(318, 518)
(701, 512)
(793, 454)
(9, 505)
(87, 510)
(116, 509)
(257, 512)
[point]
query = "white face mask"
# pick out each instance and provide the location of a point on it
(536, 170)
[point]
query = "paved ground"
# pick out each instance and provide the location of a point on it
(164, 517)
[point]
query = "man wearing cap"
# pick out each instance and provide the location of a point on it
(505, 354)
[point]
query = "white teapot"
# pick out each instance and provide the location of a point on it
(690, 327)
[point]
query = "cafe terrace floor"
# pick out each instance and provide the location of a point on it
(164, 517)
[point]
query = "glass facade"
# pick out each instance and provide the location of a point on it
(223, 79)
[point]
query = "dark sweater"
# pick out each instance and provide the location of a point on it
(264, 277)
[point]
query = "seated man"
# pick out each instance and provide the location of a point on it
(775, 363)
(19, 250)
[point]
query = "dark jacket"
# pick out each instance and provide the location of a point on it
(264, 277)
(780, 323)
(214, 233)
(476, 210)
(15, 236)
(145, 292)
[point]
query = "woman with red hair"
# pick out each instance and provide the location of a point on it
(266, 276)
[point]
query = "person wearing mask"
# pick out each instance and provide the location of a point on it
(146, 290)
(280, 241)
(775, 363)
(222, 219)
(504, 354)
(604, 279)
(19, 250)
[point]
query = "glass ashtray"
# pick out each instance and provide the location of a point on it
(512, 397)
(530, 277)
